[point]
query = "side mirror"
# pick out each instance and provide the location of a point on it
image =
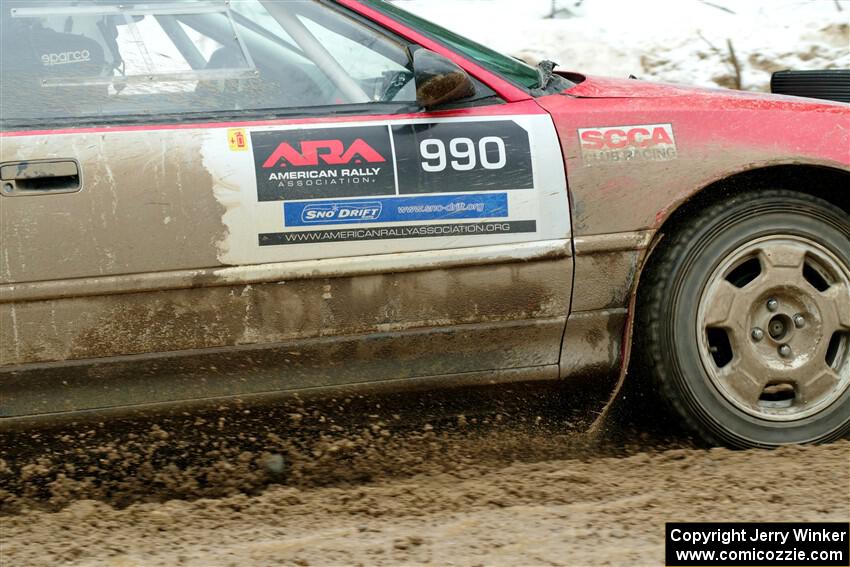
(438, 80)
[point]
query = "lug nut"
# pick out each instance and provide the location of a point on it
(772, 305)
(757, 334)
(799, 321)
(785, 351)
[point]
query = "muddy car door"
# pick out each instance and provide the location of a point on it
(206, 199)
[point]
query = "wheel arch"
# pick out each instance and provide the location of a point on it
(831, 184)
(818, 180)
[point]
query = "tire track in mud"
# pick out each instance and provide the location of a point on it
(348, 440)
(597, 511)
(471, 477)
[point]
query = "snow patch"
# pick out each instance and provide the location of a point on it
(671, 40)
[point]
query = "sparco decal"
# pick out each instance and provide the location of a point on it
(65, 57)
(624, 144)
(316, 163)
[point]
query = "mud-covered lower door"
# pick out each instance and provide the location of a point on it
(225, 261)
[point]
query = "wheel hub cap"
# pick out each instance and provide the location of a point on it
(774, 328)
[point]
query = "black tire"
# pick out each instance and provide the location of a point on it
(667, 343)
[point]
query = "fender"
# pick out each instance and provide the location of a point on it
(702, 139)
(714, 134)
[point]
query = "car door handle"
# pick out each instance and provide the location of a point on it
(39, 177)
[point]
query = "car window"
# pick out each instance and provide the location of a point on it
(107, 59)
(513, 69)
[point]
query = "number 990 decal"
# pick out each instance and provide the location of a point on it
(475, 180)
(368, 161)
(468, 154)
(471, 156)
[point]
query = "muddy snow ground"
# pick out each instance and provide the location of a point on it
(392, 481)
(594, 511)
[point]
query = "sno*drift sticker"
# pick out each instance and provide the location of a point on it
(625, 144)
(396, 209)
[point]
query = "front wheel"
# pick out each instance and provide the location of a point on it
(744, 320)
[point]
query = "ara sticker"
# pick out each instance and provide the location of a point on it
(398, 159)
(317, 163)
(627, 144)
(237, 139)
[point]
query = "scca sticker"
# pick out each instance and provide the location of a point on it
(627, 144)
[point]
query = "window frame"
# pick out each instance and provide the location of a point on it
(504, 88)
(377, 108)
(462, 45)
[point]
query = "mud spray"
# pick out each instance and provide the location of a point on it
(466, 477)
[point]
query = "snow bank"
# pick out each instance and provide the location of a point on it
(672, 40)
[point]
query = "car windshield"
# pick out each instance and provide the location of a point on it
(513, 69)
(106, 59)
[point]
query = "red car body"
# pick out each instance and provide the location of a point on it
(635, 155)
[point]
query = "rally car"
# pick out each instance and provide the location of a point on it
(219, 200)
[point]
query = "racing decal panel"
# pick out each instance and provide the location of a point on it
(437, 157)
(291, 165)
(372, 187)
(626, 144)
